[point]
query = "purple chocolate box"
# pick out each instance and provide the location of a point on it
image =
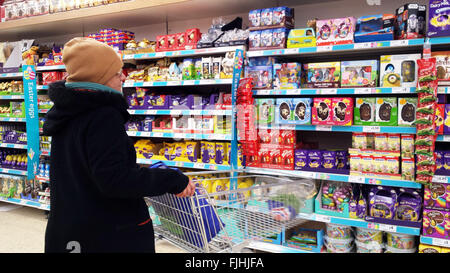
(300, 159)
(409, 205)
(446, 116)
(329, 160)
(438, 18)
(315, 159)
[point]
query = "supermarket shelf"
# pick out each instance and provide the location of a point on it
(443, 138)
(359, 223)
(179, 135)
(181, 53)
(273, 248)
(337, 177)
(182, 164)
(13, 119)
(11, 75)
(42, 87)
(12, 97)
(443, 90)
(337, 48)
(15, 146)
(27, 203)
(440, 40)
(50, 67)
(181, 112)
(178, 83)
(354, 128)
(12, 171)
(435, 241)
(336, 91)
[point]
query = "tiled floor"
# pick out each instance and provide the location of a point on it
(22, 230)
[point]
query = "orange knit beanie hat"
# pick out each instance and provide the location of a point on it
(88, 60)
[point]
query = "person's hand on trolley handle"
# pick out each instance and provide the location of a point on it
(188, 191)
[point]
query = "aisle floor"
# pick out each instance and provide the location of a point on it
(22, 230)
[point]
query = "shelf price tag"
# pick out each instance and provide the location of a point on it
(356, 179)
(328, 91)
(173, 83)
(324, 127)
(323, 218)
(324, 48)
(399, 43)
(396, 90)
(291, 51)
(441, 242)
(446, 138)
(371, 129)
(23, 202)
(175, 112)
(363, 45)
(440, 179)
(388, 228)
(364, 90)
(264, 92)
(199, 165)
(157, 134)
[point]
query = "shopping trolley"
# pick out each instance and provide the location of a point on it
(228, 220)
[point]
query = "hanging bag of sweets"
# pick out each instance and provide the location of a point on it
(425, 123)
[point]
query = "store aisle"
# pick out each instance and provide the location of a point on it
(22, 230)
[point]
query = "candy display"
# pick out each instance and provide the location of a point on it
(179, 41)
(335, 31)
(332, 111)
(305, 37)
(368, 241)
(262, 76)
(407, 111)
(293, 111)
(379, 27)
(410, 21)
(438, 18)
(117, 39)
(359, 73)
(339, 239)
(13, 186)
(442, 66)
(307, 236)
(399, 70)
(286, 75)
(400, 243)
(11, 88)
(386, 111)
(323, 75)
(321, 161)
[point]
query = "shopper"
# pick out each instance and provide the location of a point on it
(96, 186)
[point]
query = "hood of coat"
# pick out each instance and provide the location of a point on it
(70, 103)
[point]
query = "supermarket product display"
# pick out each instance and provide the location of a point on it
(377, 155)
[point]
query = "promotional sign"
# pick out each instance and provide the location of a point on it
(31, 109)
(237, 70)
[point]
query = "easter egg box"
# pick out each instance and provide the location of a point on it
(319, 210)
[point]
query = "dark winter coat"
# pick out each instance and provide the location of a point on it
(96, 187)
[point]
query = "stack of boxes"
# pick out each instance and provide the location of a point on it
(115, 38)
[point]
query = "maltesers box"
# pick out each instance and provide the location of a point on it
(335, 31)
(438, 18)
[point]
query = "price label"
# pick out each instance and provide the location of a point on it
(255, 53)
(324, 127)
(306, 216)
(396, 90)
(440, 179)
(324, 48)
(291, 51)
(323, 218)
(179, 135)
(310, 175)
(264, 92)
(372, 226)
(175, 112)
(293, 92)
(188, 82)
(128, 84)
(173, 83)
(159, 54)
(388, 228)
(158, 134)
(356, 179)
(199, 165)
(364, 90)
(23, 202)
(179, 164)
(208, 82)
(399, 43)
(441, 242)
(371, 129)
(128, 57)
(446, 138)
(328, 91)
(363, 45)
